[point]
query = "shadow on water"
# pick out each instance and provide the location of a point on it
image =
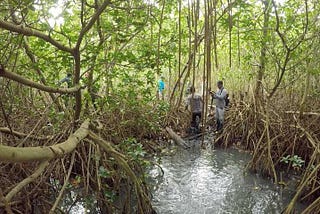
(214, 181)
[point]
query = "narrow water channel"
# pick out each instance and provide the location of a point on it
(198, 181)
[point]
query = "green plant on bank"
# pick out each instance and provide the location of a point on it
(110, 195)
(108, 192)
(134, 150)
(163, 108)
(103, 173)
(294, 160)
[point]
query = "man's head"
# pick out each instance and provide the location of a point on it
(220, 84)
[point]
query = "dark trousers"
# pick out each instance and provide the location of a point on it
(194, 119)
(219, 125)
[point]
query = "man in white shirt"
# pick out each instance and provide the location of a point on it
(220, 97)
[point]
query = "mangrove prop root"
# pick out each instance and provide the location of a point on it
(56, 203)
(6, 203)
(144, 204)
(271, 132)
(300, 188)
(27, 180)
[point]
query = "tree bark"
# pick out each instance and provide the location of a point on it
(176, 138)
(24, 81)
(262, 65)
(31, 32)
(40, 153)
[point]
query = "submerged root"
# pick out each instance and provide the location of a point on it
(273, 134)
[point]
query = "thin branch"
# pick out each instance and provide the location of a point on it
(305, 29)
(91, 22)
(39, 72)
(31, 32)
(6, 118)
(289, 50)
(282, 69)
(15, 77)
(278, 27)
(56, 203)
(303, 113)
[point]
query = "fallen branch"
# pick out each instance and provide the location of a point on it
(177, 138)
(195, 136)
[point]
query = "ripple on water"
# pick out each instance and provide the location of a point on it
(209, 182)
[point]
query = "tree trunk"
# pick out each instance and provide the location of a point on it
(230, 30)
(258, 89)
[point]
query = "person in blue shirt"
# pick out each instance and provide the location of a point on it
(161, 86)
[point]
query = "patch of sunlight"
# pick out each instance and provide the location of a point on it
(55, 12)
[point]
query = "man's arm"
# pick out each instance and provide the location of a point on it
(221, 96)
(67, 79)
(63, 80)
(212, 96)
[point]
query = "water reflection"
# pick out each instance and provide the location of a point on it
(204, 181)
